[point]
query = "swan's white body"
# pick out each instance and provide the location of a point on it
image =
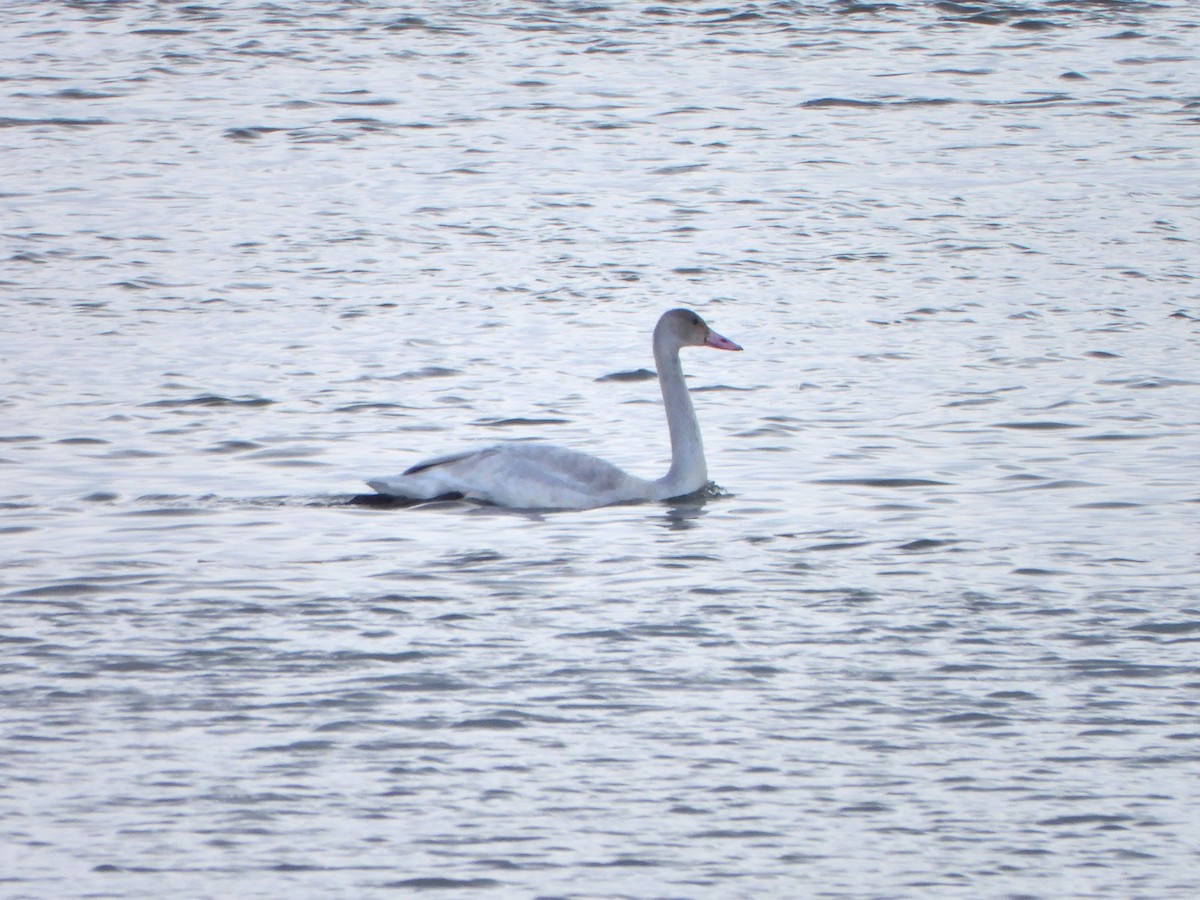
(522, 475)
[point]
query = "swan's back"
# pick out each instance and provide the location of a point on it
(519, 476)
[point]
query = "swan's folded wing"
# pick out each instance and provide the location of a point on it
(545, 476)
(447, 459)
(572, 469)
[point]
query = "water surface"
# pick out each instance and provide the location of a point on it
(931, 633)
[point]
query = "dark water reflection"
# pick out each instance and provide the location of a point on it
(933, 635)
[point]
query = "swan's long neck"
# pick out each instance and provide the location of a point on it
(688, 471)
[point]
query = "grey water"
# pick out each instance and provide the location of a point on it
(934, 631)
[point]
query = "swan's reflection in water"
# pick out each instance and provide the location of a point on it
(678, 513)
(683, 513)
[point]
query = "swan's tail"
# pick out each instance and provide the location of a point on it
(410, 487)
(435, 478)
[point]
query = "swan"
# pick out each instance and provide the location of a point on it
(521, 475)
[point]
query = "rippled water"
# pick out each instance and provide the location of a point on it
(933, 634)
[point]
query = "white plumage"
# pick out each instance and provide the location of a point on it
(532, 475)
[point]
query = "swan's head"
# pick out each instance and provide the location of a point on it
(684, 328)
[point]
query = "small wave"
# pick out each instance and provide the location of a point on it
(208, 400)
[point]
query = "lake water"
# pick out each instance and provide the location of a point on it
(933, 632)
